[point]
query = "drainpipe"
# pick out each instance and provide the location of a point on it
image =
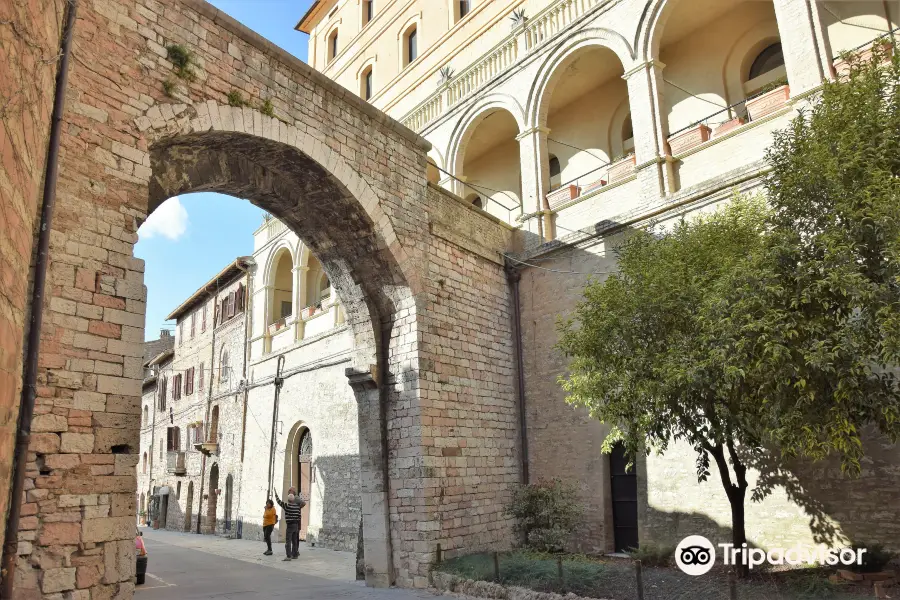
(514, 276)
(26, 410)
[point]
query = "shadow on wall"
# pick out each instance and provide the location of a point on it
(839, 510)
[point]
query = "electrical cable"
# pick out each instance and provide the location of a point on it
(451, 176)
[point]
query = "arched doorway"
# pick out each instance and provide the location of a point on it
(305, 478)
(212, 503)
(189, 506)
(229, 489)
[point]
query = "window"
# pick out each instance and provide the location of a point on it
(145, 463)
(163, 384)
(768, 60)
(176, 387)
(198, 433)
(173, 439)
(189, 382)
(203, 320)
(555, 173)
(223, 366)
(193, 323)
(201, 377)
(146, 416)
(411, 45)
(332, 45)
(368, 11)
(366, 84)
(178, 491)
(181, 333)
(463, 8)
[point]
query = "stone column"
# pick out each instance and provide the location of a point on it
(651, 129)
(534, 157)
(299, 295)
(803, 41)
(267, 292)
(373, 484)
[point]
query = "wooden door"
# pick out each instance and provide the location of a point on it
(624, 500)
(305, 459)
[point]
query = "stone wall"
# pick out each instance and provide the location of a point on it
(29, 40)
(351, 183)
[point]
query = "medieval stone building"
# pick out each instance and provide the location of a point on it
(524, 138)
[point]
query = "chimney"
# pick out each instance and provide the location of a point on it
(164, 333)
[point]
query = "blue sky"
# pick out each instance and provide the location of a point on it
(191, 238)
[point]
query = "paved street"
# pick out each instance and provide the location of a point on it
(188, 566)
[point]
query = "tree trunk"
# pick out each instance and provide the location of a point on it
(736, 497)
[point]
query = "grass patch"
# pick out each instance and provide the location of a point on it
(534, 570)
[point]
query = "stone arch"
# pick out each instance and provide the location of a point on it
(469, 121)
(652, 24)
(340, 219)
(558, 58)
(290, 175)
(745, 50)
(274, 272)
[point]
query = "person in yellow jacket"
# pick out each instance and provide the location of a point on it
(270, 517)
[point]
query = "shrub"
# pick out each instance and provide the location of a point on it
(874, 559)
(182, 59)
(546, 513)
(267, 108)
(236, 99)
(653, 555)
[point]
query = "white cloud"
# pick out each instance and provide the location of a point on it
(170, 221)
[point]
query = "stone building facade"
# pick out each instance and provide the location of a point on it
(577, 120)
(192, 414)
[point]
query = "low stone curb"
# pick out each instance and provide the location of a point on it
(457, 586)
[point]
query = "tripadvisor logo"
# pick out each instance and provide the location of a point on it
(696, 555)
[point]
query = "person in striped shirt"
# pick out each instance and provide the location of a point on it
(291, 514)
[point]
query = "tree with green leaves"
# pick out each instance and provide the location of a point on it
(811, 327)
(765, 328)
(643, 356)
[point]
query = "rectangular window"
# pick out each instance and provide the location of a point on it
(463, 8)
(369, 85)
(181, 333)
(370, 10)
(203, 319)
(412, 47)
(193, 324)
(333, 45)
(201, 377)
(162, 393)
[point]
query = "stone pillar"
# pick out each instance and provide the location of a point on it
(373, 484)
(803, 41)
(299, 295)
(651, 129)
(534, 157)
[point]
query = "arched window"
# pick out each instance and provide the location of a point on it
(367, 83)
(476, 202)
(368, 11)
(281, 289)
(768, 60)
(144, 469)
(464, 7)
(555, 173)
(410, 45)
(146, 416)
(332, 45)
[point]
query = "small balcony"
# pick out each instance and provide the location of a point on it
(175, 463)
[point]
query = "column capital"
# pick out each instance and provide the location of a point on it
(532, 131)
(300, 269)
(362, 381)
(643, 66)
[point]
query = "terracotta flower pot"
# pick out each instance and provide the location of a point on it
(622, 168)
(562, 195)
(689, 138)
(728, 126)
(769, 102)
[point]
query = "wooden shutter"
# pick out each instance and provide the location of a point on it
(203, 319)
(201, 377)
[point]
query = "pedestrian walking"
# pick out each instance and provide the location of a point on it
(291, 510)
(270, 517)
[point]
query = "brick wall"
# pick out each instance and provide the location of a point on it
(29, 40)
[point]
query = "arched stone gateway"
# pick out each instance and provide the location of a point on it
(418, 270)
